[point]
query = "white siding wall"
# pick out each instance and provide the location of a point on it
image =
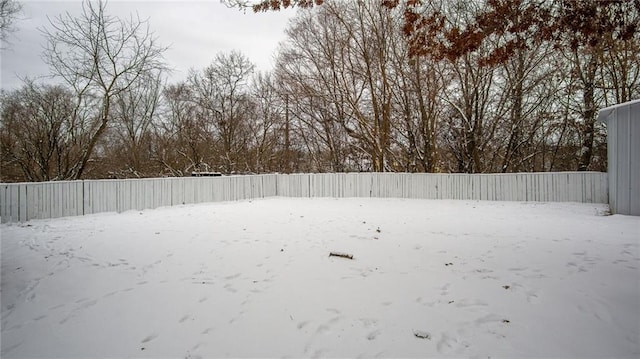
(623, 148)
(24, 201)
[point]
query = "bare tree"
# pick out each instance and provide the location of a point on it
(619, 76)
(135, 115)
(339, 58)
(416, 88)
(270, 130)
(39, 139)
(590, 36)
(308, 75)
(9, 9)
(183, 138)
(99, 56)
(221, 92)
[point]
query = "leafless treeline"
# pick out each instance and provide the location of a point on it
(345, 96)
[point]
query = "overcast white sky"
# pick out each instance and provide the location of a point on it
(195, 32)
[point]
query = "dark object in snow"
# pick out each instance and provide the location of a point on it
(507, 321)
(378, 230)
(281, 249)
(448, 264)
(506, 286)
(451, 301)
(142, 348)
(342, 255)
(422, 335)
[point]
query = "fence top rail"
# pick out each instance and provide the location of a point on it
(186, 178)
(190, 178)
(38, 183)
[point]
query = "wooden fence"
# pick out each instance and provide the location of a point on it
(25, 201)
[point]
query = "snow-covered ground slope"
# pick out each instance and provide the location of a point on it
(428, 278)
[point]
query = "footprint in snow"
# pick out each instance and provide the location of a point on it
(333, 310)
(149, 338)
(373, 335)
(233, 276)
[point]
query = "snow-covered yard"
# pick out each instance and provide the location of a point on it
(254, 278)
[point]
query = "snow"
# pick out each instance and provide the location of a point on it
(254, 278)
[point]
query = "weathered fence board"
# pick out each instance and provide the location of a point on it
(24, 201)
